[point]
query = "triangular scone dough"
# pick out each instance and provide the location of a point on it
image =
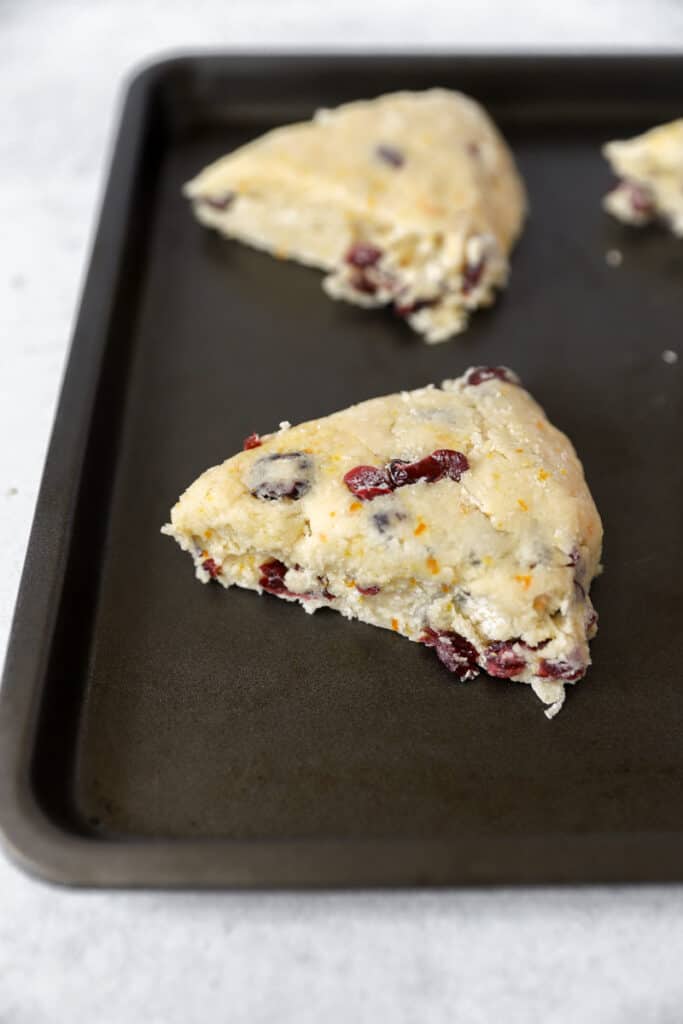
(411, 199)
(650, 169)
(457, 516)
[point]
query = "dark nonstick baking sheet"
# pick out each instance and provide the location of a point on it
(154, 731)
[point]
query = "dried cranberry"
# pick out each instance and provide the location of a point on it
(272, 580)
(480, 374)
(454, 651)
(441, 463)
(390, 155)
(368, 482)
(213, 568)
(471, 275)
(273, 577)
(281, 475)
(368, 591)
(220, 202)
(360, 282)
(502, 660)
(560, 669)
(363, 255)
(252, 441)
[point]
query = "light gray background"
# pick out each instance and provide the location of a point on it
(609, 955)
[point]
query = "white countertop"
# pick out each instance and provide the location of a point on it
(611, 955)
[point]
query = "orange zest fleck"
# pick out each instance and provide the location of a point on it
(208, 534)
(525, 580)
(412, 582)
(323, 536)
(420, 528)
(432, 564)
(445, 588)
(333, 513)
(394, 624)
(350, 583)
(355, 506)
(204, 554)
(542, 475)
(523, 505)
(519, 450)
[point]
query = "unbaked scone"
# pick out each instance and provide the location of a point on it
(411, 198)
(457, 516)
(650, 172)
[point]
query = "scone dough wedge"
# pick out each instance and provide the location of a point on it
(411, 199)
(650, 172)
(456, 516)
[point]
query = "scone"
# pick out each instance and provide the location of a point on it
(456, 516)
(650, 172)
(411, 199)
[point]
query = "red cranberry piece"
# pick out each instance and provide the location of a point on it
(390, 155)
(454, 651)
(368, 591)
(471, 275)
(252, 441)
(272, 580)
(281, 475)
(363, 255)
(560, 669)
(480, 374)
(220, 202)
(273, 577)
(362, 283)
(368, 482)
(442, 462)
(213, 568)
(502, 660)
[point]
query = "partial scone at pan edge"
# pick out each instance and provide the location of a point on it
(457, 516)
(412, 198)
(650, 172)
